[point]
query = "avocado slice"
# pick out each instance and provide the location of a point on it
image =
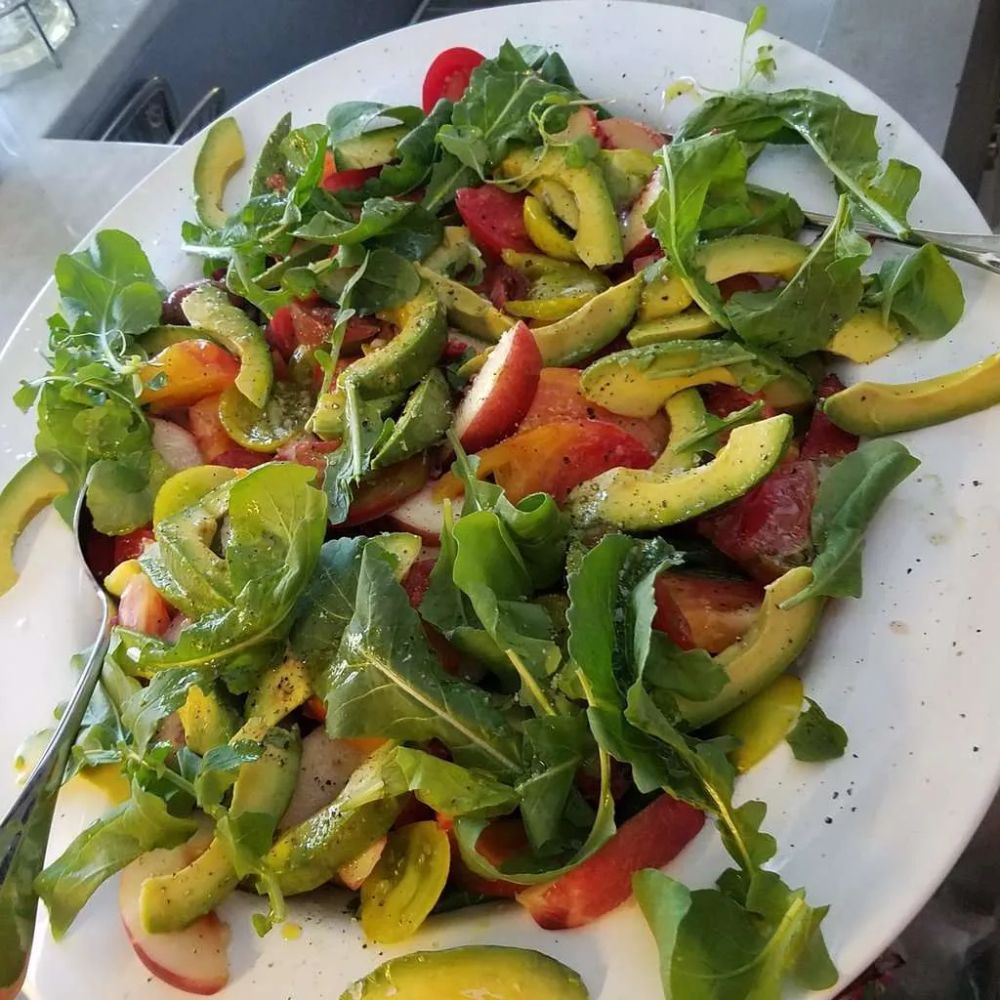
(597, 241)
(33, 487)
(591, 327)
(773, 643)
(327, 420)
(309, 855)
(866, 337)
(646, 500)
(407, 357)
(626, 172)
(638, 382)
(751, 253)
(876, 408)
(207, 720)
(261, 793)
(370, 149)
(220, 156)
(424, 421)
(187, 487)
(209, 307)
(454, 254)
(466, 309)
(557, 200)
(688, 325)
(664, 296)
(686, 413)
(280, 691)
(493, 971)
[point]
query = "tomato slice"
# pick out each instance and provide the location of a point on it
(650, 839)
(348, 180)
(386, 489)
(824, 439)
(448, 75)
(715, 612)
(132, 545)
(767, 531)
(554, 458)
(558, 397)
(280, 332)
(502, 282)
(721, 400)
(495, 219)
(409, 878)
(241, 458)
(141, 607)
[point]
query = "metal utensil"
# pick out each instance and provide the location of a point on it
(979, 249)
(24, 831)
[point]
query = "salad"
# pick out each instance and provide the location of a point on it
(466, 518)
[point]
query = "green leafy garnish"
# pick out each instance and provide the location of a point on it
(816, 737)
(848, 499)
(802, 316)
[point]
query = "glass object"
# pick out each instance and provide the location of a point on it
(32, 30)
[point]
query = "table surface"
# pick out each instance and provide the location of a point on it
(52, 192)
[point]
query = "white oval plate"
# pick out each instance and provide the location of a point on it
(909, 670)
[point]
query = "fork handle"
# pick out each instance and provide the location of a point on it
(24, 831)
(979, 249)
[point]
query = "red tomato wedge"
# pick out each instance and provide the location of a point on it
(206, 426)
(650, 839)
(386, 489)
(495, 219)
(241, 458)
(448, 75)
(339, 180)
(554, 458)
(558, 397)
(307, 451)
(141, 607)
(715, 612)
(824, 439)
(280, 332)
(501, 392)
(767, 531)
(132, 545)
(721, 400)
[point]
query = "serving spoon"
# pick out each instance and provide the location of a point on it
(979, 249)
(24, 831)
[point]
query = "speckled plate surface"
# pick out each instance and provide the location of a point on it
(910, 670)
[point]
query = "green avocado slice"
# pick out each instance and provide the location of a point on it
(466, 309)
(407, 357)
(209, 307)
(645, 500)
(638, 382)
(593, 326)
(774, 642)
(877, 408)
(370, 149)
(220, 156)
(424, 421)
(493, 971)
(33, 487)
(261, 794)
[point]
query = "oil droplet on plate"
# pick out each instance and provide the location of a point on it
(291, 932)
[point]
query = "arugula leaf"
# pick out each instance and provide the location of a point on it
(86, 402)
(378, 215)
(708, 437)
(148, 706)
(699, 175)
(712, 947)
(922, 292)
(493, 115)
(272, 159)
(825, 291)
(121, 491)
(365, 432)
(384, 280)
(849, 496)
(554, 747)
(816, 737)
(141, 823)
(277, 522)
(102, 729)
(842, 138)
(385, 681)
(414, 236)
(218, 771)
(773, 213)
(350, 119)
